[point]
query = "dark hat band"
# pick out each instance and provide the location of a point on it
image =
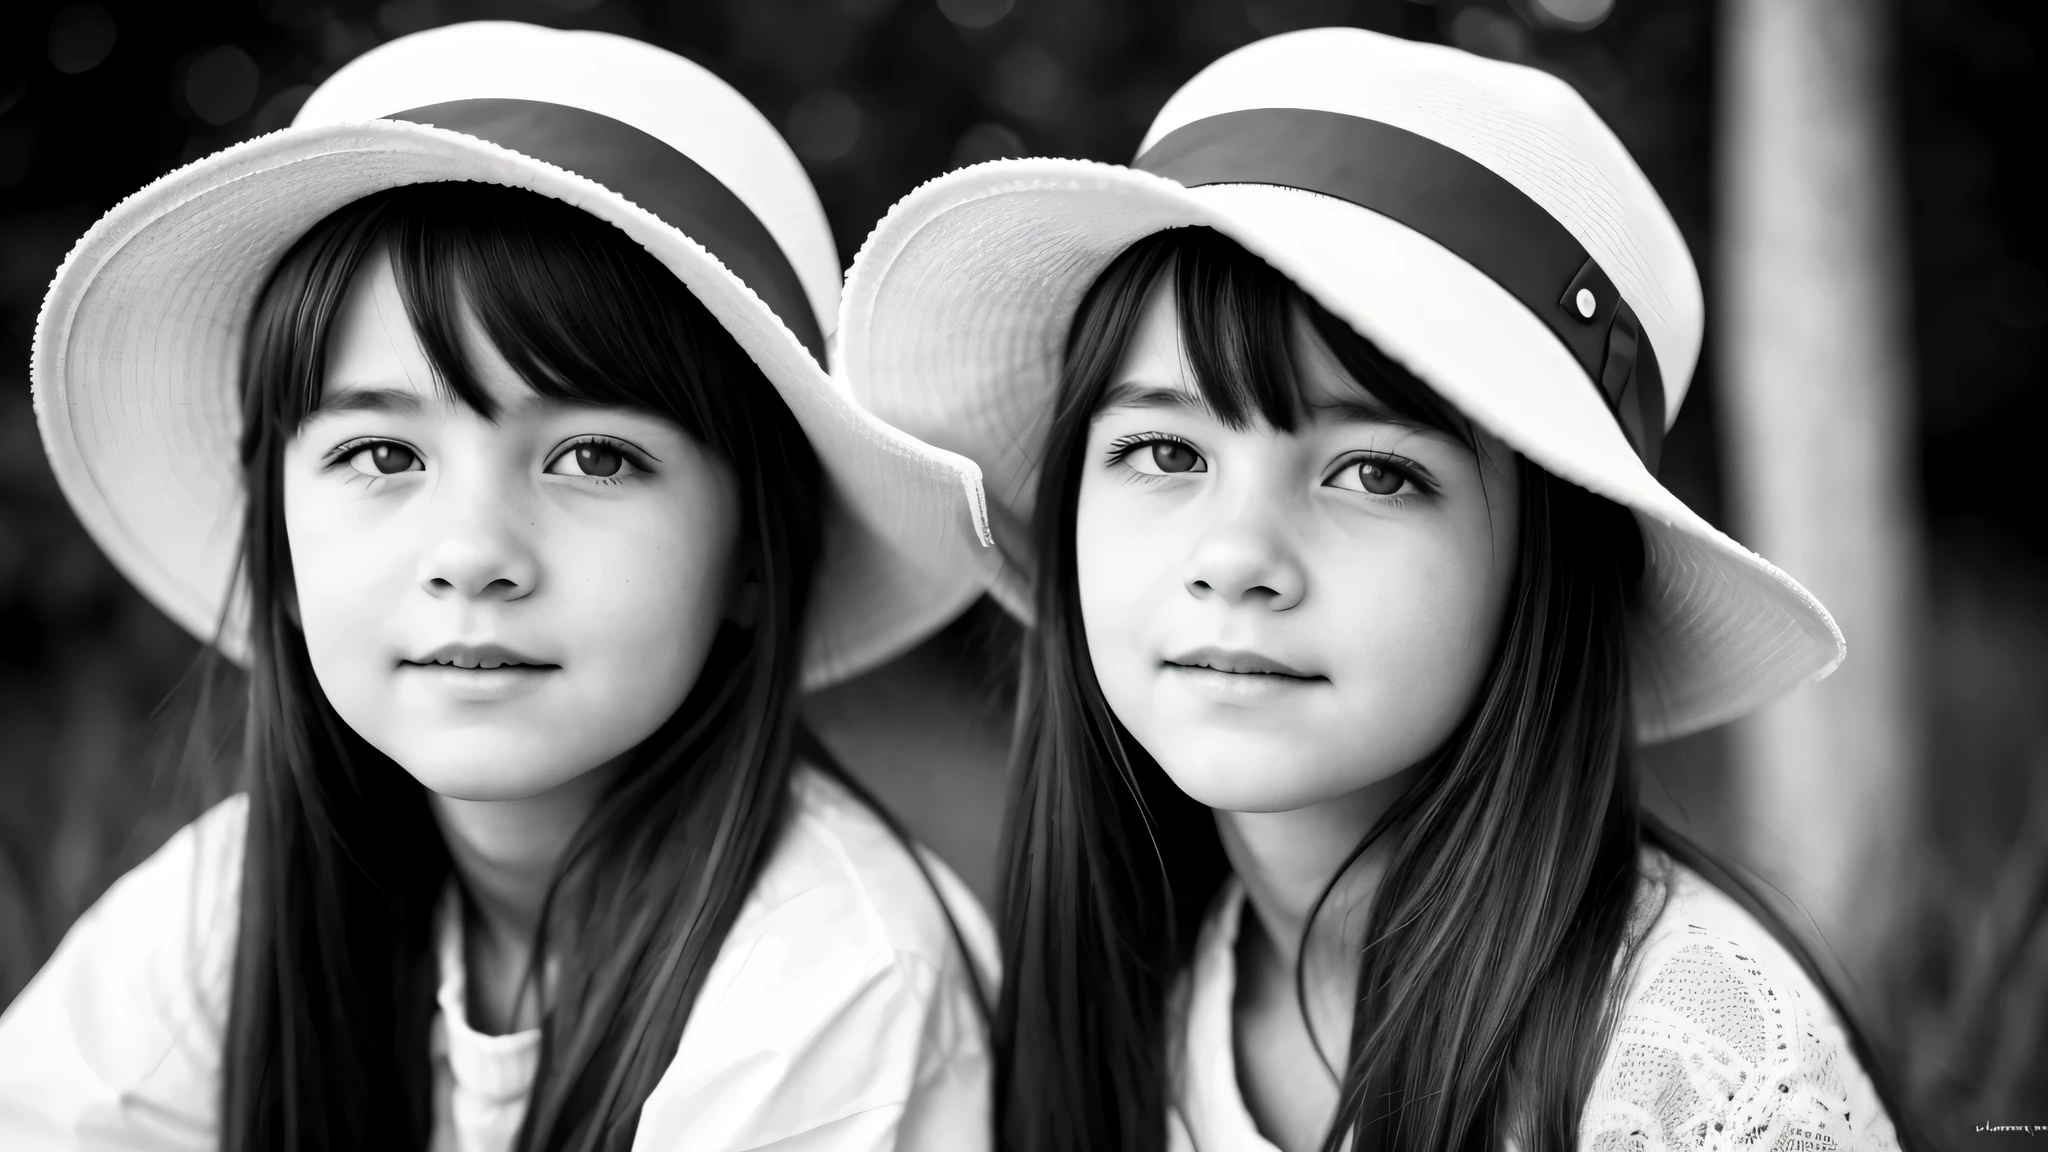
(1457, 202)
(654, 176)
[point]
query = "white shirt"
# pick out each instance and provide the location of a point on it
(838, 1014)
(1723, 1043)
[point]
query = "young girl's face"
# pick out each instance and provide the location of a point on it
(1284, 618)
(499, 605)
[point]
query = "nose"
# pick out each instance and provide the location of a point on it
(476, 555)
(1246, 561)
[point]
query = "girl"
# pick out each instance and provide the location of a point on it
(1321, 444)
(547, 512)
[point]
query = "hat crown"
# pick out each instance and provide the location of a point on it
(1526, 126)
(653, 90)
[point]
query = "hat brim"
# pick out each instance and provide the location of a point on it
(135, 372)
(955, 318)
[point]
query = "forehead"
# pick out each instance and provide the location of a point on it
(372, 347)
(1156, 358)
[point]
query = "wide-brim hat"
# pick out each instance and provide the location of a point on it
(138, 346)
(1474, 219)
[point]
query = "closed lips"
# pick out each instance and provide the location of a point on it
(1240, 663)
(478, 658)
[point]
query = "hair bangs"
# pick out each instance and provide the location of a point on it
(580, 315)
(1385, 383)
(1236, 314)
(575, 311)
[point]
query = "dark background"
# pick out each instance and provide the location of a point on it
(96, 100)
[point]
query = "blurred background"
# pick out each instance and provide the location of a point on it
(1857, 179)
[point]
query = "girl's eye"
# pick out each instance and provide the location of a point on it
(1164, 458)
(1374, 477)
(384, 458)
(596, 459)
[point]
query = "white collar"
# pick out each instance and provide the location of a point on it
(496, 1068)
(1210, 1102)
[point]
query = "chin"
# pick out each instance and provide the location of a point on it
(479, 771)
(483, 784)
(1232, 776)
(1244, 795)
(1263, 771)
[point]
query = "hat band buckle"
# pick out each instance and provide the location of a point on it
(1454, 200)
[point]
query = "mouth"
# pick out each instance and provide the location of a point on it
(1238, 663)
(486, 657)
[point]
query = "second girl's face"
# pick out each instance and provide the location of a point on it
(1284, 618)
(498, 605)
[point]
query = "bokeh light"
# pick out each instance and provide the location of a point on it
(1577, 15)
(1030, 81)
(824, 125)
(81, 37)
(1489, 33)
(975, 13)
(278, 110)
(987, 140)
(220, 84)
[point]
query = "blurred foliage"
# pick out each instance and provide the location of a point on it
(97, 99)
(1968, 1001)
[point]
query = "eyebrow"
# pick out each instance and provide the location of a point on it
(393, 400)
(406, 402)
(1130, 394)
(1367, 411)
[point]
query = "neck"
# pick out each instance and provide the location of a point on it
(506, 852)
(1285, 860)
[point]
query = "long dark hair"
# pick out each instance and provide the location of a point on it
(335, 978)
(1514, 854)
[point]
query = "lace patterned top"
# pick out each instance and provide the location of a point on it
(1723, 1043)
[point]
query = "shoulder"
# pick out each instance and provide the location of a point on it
(121, 1031)
(181, 908)
(839, 1011)
(170, 921)
(197, 874)
(836, 850)
(1721, 1038)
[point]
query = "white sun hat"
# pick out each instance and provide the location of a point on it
(1472, 218)
(137, 349)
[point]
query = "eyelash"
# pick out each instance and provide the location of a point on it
(1121, 448)
(339, 457)
(1405, 469)
(627, 452)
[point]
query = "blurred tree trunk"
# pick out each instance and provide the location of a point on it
(1815, 389)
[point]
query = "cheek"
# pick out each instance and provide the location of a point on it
(642, 599)
(1415, 632)
(342, 584)
(1122, 568)
(1419, 629)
